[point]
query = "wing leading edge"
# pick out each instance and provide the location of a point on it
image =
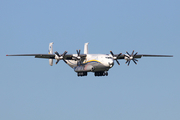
(48, 56)
(143, 55)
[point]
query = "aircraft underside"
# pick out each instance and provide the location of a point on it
(93, 66)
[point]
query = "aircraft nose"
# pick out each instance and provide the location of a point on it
(111, 63)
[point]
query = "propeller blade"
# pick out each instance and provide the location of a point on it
(64, 61)
(78, 52)
(57, 61)
(57, 54)
(132, 53)
(135, 53)
(117, 62)
(128, 53)
(119, 54)
(128, 63)
(64, 53)
(134, 61)
(126, 56)
(112, 53)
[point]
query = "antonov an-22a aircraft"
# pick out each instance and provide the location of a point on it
(84, 63)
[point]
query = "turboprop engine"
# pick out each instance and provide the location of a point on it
(84, 68)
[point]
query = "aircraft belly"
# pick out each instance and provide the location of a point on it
(84, 68)
(99, 67)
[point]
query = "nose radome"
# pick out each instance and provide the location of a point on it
(111, 63)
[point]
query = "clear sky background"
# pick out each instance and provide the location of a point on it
(30, 89)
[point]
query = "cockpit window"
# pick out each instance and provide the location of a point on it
(108, 57)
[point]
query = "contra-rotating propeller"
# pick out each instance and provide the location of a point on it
(131, 57)
(60, 57)
(115, 57)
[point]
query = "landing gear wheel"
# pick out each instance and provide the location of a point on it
(101, 73)
(82, 74)
(106, 73)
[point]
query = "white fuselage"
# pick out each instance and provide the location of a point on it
(100, 62)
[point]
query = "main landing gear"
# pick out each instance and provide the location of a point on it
(82, 74)
(101, 73)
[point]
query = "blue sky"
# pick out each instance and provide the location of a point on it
(31, 89)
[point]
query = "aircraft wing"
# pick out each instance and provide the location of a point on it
(146, 55)
(142, 55)
(49, 56)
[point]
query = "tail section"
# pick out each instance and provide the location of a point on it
(86, 48)
(50, 52)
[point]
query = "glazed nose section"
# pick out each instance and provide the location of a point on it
(111, 63)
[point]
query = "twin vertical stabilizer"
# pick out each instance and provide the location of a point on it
(50, 52)
(86, 48)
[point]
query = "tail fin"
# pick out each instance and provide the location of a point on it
(50, 48)
(86, 48)
(50, 52)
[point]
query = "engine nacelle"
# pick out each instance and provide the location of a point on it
(84, 68)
